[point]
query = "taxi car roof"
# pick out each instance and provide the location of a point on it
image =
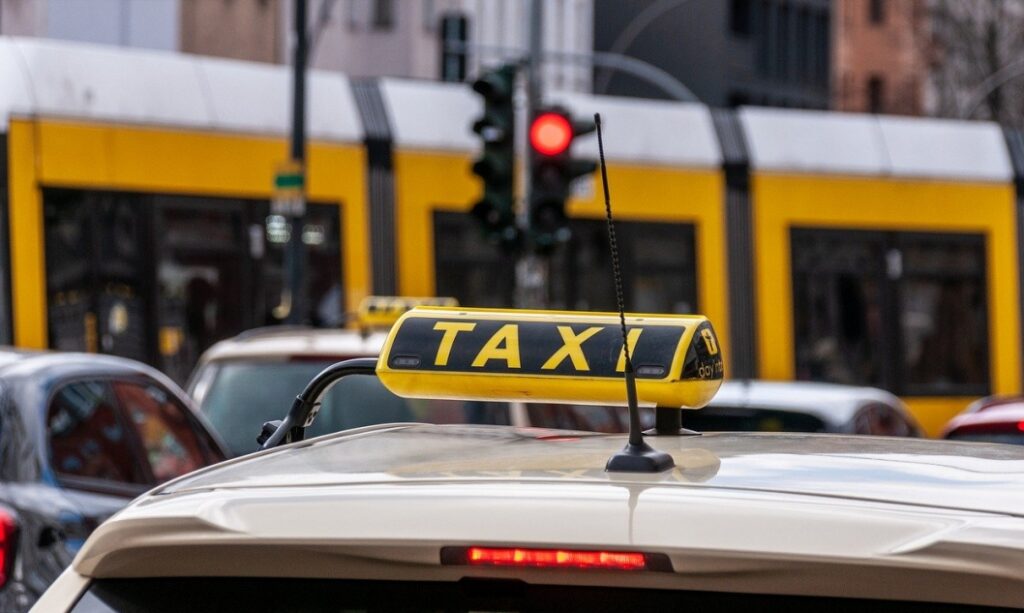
(286, 342)
(735, 510)
(898, 471)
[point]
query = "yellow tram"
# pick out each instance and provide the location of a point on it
(859, 249)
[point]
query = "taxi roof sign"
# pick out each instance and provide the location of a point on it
(550, 356)
(384, 311)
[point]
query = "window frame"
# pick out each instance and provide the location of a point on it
(894, 372)
(383, 19)
(876, 12)
(106, 486)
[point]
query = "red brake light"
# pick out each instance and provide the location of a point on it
(1020, 425)
(554, 558)
(550, 134)
(7, 529)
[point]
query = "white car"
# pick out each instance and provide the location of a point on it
(801, 406)
(501, 518)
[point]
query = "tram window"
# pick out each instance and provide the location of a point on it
(836, 302)
(322, 237)
(902, 311)
(469, 268)
(943, 314)
(96, 278)
(658, 261)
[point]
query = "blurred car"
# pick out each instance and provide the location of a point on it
(776, 406)
(247, 379)
(992, 422)
(80, 436)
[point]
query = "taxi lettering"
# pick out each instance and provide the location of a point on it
(503, 345)
(572, 348)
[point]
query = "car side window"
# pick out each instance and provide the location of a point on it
(169, 441)
(881, 420)
(88, 436)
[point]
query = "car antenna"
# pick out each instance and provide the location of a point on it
(637, 456)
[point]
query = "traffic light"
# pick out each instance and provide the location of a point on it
(553, 170)
(496, 209)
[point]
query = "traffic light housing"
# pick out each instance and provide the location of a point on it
(496, 209)
(553, 169)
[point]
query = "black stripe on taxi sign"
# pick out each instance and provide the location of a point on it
(533, 348)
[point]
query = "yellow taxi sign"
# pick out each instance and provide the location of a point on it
(384, 311)
(550, 356)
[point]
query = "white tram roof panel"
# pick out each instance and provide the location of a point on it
(647, 131)
(15, 92)
(435, 116)
(819, 142)
(430, 115)
(111, 84)
(944, 148)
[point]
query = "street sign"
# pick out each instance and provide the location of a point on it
(289, 197)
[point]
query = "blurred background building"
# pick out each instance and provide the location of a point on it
(945, 58)
(362, 38)
(881, 56)
(761, 52)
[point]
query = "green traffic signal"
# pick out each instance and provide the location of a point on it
(496, 209)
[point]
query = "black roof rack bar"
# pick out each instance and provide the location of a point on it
(307, 404)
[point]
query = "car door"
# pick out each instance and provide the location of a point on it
(109, 439)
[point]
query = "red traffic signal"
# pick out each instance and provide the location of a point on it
(550, 134)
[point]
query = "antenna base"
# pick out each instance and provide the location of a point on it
(640, 458)
(668, 421)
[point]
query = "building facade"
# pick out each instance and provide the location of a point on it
(880, 56)
(149, 24)
(371, 38)
(728, 53)
(362, 38)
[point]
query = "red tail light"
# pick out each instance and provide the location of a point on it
(1020, 425)
(554, 558)
(7, 530)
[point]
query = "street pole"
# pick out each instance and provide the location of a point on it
(531, 269)
(295, 254)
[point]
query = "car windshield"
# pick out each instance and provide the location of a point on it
(1010, 438)
(243, 395)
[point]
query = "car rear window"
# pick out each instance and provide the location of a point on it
(243, 395)
(199, 595)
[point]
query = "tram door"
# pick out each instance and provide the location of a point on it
(97, 263)
(203, 276)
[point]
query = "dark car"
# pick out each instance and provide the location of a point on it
(80, 436)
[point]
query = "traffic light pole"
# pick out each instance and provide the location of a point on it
(295, 255)
(531, 268)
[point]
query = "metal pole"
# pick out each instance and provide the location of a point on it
(531, 269)
(295, 255)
